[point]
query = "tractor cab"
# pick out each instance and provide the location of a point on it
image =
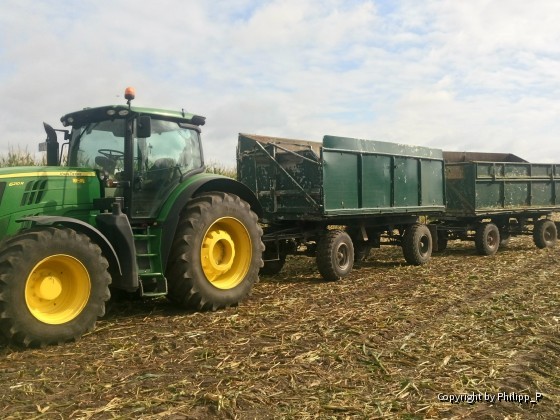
(140, 154)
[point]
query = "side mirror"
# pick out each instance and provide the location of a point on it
(144, 126)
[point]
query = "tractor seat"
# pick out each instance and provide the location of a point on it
(161, 172)
(108, 165)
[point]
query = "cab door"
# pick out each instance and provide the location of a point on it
(160, 162)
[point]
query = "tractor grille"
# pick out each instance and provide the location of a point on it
(34, 192)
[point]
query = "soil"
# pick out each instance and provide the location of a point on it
(389, 341)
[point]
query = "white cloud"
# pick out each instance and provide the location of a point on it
(477, 75)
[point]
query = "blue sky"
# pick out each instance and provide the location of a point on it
(458, 75)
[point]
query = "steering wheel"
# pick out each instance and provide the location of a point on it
(111, 154)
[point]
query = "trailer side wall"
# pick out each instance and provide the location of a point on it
(340, 178)
(365, 176)
(477, 188)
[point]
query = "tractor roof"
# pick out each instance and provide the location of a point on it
(102, 113)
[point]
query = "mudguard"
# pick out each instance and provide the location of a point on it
(208, 183)
(82, 227)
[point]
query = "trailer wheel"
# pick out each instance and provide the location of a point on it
(217, 253)
(273, 267)
(545, 234)
(487, 239)
(362, 249)
(442, 240)
(335, 255)
(53, 286)
(417, 244)
(504, 239)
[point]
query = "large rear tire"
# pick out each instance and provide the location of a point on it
(335, 255)
(545, 234)
(217, 253)
(417, 244)
(487, 239)
(53, 286)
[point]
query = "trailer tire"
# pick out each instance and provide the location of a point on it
(335, 255)
(442, 240)
(53, 286)
(545, 234)
(217, 253)
(487, 239)
(362, 249)
(273, 267)
(417, 244)
(504, 239)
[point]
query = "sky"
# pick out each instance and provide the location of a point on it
(476, 75)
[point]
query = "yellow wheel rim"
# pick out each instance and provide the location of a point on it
(57, 289)
(226, 253)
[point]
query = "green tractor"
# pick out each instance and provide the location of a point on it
(132, 210)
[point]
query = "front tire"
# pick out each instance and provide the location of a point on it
(217, 253)
(53, 286)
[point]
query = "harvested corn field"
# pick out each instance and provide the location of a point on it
(390, 340)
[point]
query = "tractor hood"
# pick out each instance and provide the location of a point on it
(54, 190)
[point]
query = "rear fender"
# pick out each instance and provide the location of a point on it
(203, 185)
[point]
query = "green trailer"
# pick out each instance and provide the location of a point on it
(493, 196)
(337, 199)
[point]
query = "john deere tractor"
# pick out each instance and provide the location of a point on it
(131, 209)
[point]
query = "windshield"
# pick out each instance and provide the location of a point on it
(93, 142)
(101, 145)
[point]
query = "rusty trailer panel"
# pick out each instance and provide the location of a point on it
(284, 174)
(453, 157)
(484, 187)
(340, 177)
